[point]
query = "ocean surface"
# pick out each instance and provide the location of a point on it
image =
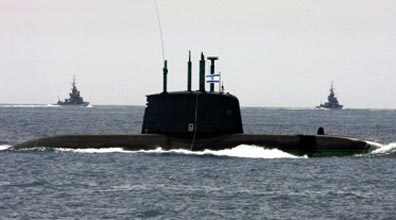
(245, 182)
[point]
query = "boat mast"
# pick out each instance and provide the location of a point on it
(74, 81)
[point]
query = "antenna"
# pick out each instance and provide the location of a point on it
(160, 30)
(74, 80)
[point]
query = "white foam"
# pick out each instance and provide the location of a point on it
(53, 106)
(95, 150)
(28, 106)
(385, 149)
(244, 151)
(375, 144)
(4, 147)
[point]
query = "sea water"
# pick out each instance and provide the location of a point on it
(246, 182)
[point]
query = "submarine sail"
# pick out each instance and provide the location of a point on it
(187, 113)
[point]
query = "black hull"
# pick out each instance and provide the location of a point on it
(310, 145)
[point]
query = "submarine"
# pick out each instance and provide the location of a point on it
(197, 120)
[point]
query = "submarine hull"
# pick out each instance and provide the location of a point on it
(310, 145)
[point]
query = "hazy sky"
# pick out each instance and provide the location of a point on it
(273, 53)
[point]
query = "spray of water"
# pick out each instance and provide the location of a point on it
(4, 147)
(243, 151)
(385, 149)
(94, 150)
(28, 106)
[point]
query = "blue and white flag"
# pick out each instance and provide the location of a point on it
(213, 78)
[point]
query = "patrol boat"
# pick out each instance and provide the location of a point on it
(332, 101)
(75, 98)
(200, 120)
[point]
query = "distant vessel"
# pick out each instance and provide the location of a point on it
(75, 99)
(332, 101)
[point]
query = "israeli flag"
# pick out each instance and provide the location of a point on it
(213, 78)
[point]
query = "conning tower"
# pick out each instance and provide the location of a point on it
(190, 113)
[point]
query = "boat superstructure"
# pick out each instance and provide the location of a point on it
(332, 101)
(75, 99)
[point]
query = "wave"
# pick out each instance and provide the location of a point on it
(29, 106)
(385, 149)
(95, 150)
(4, 147)
(243, 151)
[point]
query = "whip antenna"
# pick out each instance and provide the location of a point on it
(160, 29)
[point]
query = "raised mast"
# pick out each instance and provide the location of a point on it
(189, 70)
(165, 76)
(212, 70)
(202, 73)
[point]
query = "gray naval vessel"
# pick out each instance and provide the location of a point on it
(75, 99)
(199, 120)
(332, 101)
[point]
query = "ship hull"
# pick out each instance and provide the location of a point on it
(299, 145)
(73, 105)
(330, 108)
